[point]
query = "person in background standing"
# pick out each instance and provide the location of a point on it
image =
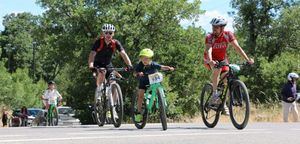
(289, 95)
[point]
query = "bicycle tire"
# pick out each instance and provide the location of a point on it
(54, 117)
(118, 106)
(141, 124)
(162, 108)
(209, 120)
(100, 109)
(239, 97)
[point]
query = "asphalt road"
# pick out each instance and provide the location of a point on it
(177, 133)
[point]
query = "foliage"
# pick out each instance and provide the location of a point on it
(274, 75)
(18, 89)
(268, 29)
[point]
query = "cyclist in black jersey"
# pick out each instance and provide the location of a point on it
(103, 50)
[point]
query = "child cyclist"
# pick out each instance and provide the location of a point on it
(51, 96)
(145, 67)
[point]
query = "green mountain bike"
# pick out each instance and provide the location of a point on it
(154, 100)
(239, 104)
(52, 114)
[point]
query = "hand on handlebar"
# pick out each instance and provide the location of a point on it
(250, 61)
(139, 74)
(212, 63)
(129, 68)
(171, 68)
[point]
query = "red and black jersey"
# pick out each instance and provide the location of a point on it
(105, 51)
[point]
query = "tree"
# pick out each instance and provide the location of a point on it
(18, 89)
(255, 19)
(17, 40)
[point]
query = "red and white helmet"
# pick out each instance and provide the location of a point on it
(108, 27)
(218, 21)
(292, 75)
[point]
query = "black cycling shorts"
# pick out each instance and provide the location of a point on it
(98, 65)
(143, 82)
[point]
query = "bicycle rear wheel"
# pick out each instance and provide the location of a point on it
(100, 108)
(239, 107)
(118, 105)
(138, 124)
(209, 115)
(162, 108)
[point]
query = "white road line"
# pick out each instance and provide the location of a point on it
(128, 136)
(4, 136)
(92, 133)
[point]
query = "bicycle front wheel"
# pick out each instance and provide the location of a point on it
(54, 117)
(239, 107)
(162, 108)
(209, 115)
(117, 110)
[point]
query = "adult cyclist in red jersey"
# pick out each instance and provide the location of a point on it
(216, 45)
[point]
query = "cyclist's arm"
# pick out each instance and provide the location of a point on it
(43, 97)
(166, 68)
(91, 59)
(59, 96)
(241, 52)
(125, 57)
(138, 70)
(208, 50)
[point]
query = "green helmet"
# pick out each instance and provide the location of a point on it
(147, 53)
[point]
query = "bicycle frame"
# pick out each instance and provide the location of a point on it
(50, 109)
(154, 98)
(230, 76)
(107, 85)
(110, 93)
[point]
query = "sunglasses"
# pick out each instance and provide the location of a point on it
(110, 33)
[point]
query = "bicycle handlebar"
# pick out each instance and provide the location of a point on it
(112, 69)
(224, 63)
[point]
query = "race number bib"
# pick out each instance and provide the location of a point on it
(155, 78)
(52, 101)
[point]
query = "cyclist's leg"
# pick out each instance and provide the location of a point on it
(224, 71)
(141, 93)
(100, 74)
(142, 87)
(100, 78)
(215, 80)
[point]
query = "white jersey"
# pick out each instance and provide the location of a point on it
(52, 96)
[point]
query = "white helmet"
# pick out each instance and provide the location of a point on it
(292, 75)
(218, 21)
(108, 27)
